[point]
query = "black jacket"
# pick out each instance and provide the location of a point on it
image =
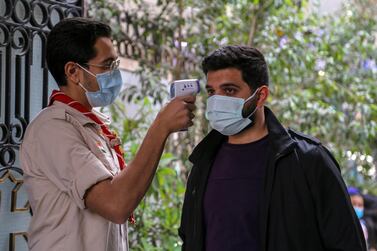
(305, 203)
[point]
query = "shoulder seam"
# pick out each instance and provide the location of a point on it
(303, 136)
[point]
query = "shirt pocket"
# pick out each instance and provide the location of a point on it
(95, 142)
(102, 151)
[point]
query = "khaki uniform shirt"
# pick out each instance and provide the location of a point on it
(62, 155)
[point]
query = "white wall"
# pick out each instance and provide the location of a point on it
(327, 6)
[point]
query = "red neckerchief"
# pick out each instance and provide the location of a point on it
(61, 97)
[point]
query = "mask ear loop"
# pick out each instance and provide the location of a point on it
(252, 95)
(88, 73)
(83, 87)
(86, 70)
(248, 99)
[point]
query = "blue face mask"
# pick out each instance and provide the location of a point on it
(110, 84)
(359, 212)
(225, 114)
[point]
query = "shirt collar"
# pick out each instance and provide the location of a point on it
(82, 119)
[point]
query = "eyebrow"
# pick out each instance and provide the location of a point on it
(224, 85)
(109, 59)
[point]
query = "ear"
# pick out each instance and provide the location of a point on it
(72, 72)
(263, 93)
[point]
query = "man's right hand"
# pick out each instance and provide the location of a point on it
(177, 114)
(115, 199)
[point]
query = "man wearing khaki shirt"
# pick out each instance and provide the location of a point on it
(80, 190)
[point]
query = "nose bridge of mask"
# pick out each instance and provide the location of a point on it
(224, 104)
(113, 75)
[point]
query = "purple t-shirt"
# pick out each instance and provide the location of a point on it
(233, 196)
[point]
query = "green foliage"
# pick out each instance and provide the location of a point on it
(323, 82)
(158, 215)
(323, 85)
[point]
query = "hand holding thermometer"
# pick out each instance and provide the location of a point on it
(184, 87)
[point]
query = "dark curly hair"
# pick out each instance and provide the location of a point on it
(72, 39)
(248, 60)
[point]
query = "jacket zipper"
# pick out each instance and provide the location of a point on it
(275, 161)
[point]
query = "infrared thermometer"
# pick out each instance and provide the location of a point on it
(184, 87)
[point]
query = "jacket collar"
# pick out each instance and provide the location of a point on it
(280, 139)
(207, 147)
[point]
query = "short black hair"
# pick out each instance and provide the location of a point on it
(250, 61)
(72, 39)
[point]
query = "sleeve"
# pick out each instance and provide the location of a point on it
(339, 227)
(67, 161)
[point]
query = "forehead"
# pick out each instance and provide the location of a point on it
(225, 76)
(104, 48)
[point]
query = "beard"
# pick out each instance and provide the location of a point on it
(250, 112)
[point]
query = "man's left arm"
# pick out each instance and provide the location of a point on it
(339, 227)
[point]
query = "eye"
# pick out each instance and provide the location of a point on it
(210, 92)
(107, 64)
(229, 91)
(114, 64)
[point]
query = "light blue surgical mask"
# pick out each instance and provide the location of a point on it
(225, 114)
(359, 212)
(110, 84)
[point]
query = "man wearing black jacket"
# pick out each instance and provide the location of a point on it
(254, 185)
